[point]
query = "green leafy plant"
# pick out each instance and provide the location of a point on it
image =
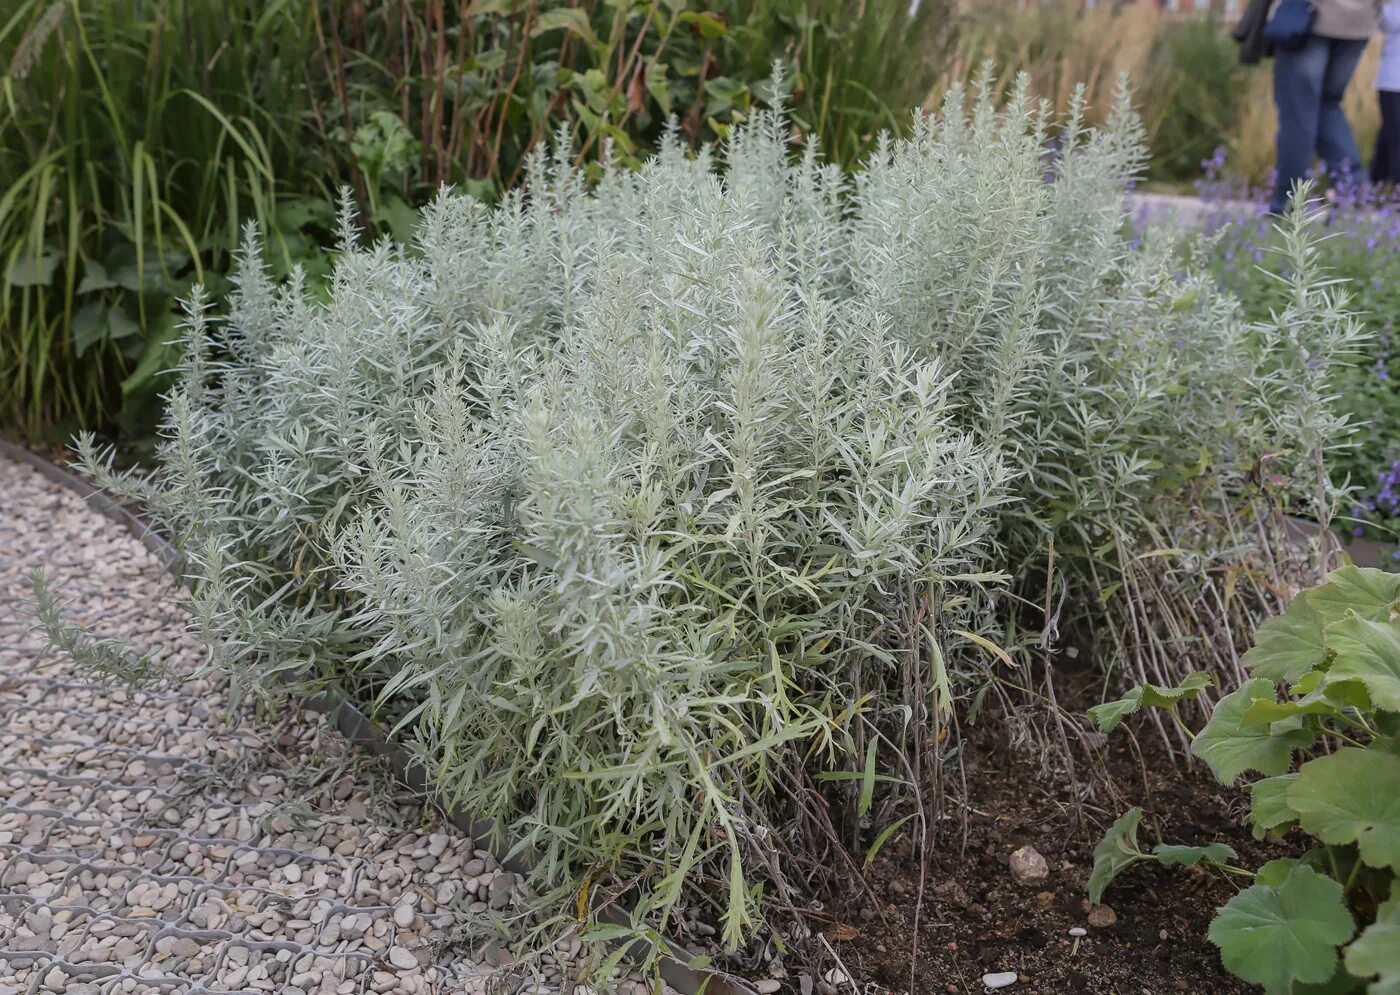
(1336, 652)
(136, 138)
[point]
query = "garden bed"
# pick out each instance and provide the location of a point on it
(977, 919)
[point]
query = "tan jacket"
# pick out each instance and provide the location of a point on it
(1352, 19)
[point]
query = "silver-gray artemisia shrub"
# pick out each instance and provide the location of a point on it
(674, 517)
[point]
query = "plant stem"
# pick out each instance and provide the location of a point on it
(1351, 878)
(1236, 870)
(1343, 736)
(1181, 724)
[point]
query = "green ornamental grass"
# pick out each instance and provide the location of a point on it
(136, 137)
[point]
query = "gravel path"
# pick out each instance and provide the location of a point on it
(166, 841)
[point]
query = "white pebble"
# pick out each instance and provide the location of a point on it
(1002, 979)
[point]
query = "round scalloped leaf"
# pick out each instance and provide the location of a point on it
(1276, 871)
(1341, 983)
(1110, 713)
(1268, 804)
(1373, 594)
(1368, 652)
(1189, 856)
(1230, 749)
(1159, 697)
(1352, 796)
(1116, 851)
(1377, 951)
(1287, 646)
(1279, 936)
(1265, 710)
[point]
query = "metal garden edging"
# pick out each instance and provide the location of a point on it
(346, 718)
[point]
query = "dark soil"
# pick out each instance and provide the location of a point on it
(976, 919)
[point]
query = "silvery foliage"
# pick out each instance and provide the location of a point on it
(646, 507)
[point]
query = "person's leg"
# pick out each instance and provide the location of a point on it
(1386, 168)
(1298, 96)
(1335, 144)
(1378, 169)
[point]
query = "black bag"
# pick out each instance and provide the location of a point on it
(1291, 24)
(1248, 32)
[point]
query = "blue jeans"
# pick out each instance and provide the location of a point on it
(1308, 88)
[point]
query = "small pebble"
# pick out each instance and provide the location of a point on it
(1028, 867)
(1001, 979)
(1102, 916)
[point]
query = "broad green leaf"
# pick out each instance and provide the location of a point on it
(89, 326)
(1377, 951)
(1275, 872)
(27, 271)
(1268, 804)
(1170, 854)
(1308, 683)
(658, 84)
(570, 19)
(703, 23)
(1117, 851)
(120, 325)
(1266, 711)
(1352, 796)
(398, 217)
(161, 355)
(1347, 693)
(1231, 749)
(1287, 646)
(1368, 652)
(1110, 713)
(1341, 983)
(1160, 697)
(1372, 594)
(95, 278)
(1278, 936)
(1107, 715)
(296, 213)
(489, 61)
